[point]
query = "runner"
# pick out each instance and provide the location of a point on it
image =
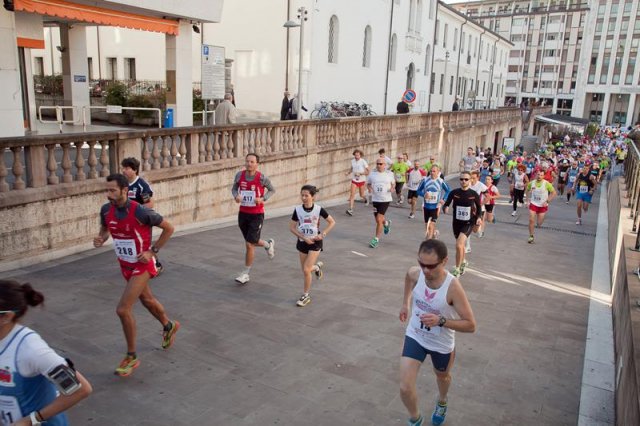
(490, 198)
(435, 306)
(399, 170)
(540, 193)
(37, 385)
(484, 171)
(248, 190)
(481, 189)
(139, 190)
(563, 168)
(305, 224)
(520, 182)
(130, 226)
(572, 174)
(585, 184)
(469, 162)
(414, 178)
(497, 170)
(434, 190)
(359, 172)
(466, 218)
(380, 184)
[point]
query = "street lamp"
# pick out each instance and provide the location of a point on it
(302, 15)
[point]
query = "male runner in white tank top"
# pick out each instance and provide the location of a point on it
(436, 306)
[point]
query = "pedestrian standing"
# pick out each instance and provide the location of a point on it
(225, 111)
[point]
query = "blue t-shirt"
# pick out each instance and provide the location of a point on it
(433, 191)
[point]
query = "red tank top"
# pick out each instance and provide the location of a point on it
(130, 237)
(249, 191)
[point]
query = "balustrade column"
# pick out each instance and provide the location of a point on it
(4, 186)
(79, 161)
(35, 163)
(18, 168)
(92, 161)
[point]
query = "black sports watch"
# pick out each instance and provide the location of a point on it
(155, 249)
(442, 321)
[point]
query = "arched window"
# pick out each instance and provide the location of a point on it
(366, 49)
(411, 71)
(427, 59)
(393, 53)
(334, 32)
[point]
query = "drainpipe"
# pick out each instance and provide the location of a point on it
(286, 69)
(459, 53)
(478, 68)
(433, 53)
(386, 78)
(493, 66)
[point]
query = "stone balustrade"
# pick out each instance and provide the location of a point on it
(51, 187)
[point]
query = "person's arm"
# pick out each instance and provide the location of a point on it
(293, 227)
(476, 201)
(496, 193)
(410, 281)
(235, 193)
(103, 234)
(266, 182)
(446, 203)
(331, 222)
(552, 193)
(446, 189)
(233, 115)
(458, 299)
(151, 218)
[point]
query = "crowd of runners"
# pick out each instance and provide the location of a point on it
(434, 303)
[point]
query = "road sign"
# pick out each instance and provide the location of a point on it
(409, 96)
(213, 64)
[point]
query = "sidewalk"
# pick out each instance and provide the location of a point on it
(246, 355)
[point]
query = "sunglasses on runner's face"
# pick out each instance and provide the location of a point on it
(464, 179)
(379, 164)
(426, 266)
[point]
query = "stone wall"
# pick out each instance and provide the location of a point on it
(191, 169)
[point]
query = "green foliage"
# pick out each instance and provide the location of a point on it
(117, 94)
(141, 101)
(591, 129)
(198, 102)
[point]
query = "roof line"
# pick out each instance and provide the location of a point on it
(470, 19)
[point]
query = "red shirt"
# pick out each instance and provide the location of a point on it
(130, 237)
(249, 191)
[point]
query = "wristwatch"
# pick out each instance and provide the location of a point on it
(442, 321)
(155, 249)
(34, 419)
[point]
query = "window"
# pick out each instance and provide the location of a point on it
(427, 60)
(441, 83)
(112, 68)
(451, 86)
(435, 33)
(433, 83)
(462, 43)
(130, 68)
(334, 33)
(394, 49)
(90, 68)
(38, 66)
(366, 49)
(455, 39)
(444, 36)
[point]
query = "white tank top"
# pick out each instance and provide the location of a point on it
(427, 300)
(519, 180)
(308, 222)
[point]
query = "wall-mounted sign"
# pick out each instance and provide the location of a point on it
(79, 78)
(213, 64)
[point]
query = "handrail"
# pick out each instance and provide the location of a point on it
(632, 182)
(84, 108)
(59, 115)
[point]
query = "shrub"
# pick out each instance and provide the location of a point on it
(117, 94)
(141, 101)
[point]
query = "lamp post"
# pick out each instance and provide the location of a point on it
(444, 90)
(302, 15)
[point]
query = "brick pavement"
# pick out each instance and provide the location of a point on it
(247, 356)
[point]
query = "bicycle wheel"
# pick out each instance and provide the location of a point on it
(315, 114)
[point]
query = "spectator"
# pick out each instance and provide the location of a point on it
(225, 111)
(294, 108)
(402, 107)
(285, 109)
(456, 106)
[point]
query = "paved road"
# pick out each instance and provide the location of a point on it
(247, 356)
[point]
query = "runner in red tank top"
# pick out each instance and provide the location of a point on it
(130, 225)
(251, 189)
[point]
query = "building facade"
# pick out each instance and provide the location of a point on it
(577, 55)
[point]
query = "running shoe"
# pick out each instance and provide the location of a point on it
(467, 249)
(412, 216)
(579, 222)
(481, 234)
(439, 414)
(387, 226)
(373, 243)
(304, 300)
(436, 234)
(366, 201)
(243, 278)
(127, 365)
(566, 202)
(417, 422)
(463, 267)
(319, 273)
(350, 212)
(168, 336)
(530, 241)
(271, 251)
(455, 272)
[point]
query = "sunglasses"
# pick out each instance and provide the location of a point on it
(427, 266)
(379, 164)
(464, 179)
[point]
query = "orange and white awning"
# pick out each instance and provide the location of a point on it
(97, 15)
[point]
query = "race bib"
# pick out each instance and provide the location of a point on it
(463, 213)
(308, 230)
(398, 176)
(536, 196)
(9, 410)
(433, 331)
(584, 189)
(248, 198)
(379, 188)
(572, 179)
(563, 174)
(126, 250)
(430, 197)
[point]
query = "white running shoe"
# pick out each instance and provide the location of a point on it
(243, 278)
(271, 251)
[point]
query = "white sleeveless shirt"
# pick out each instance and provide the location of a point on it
(308, 222)
(427, 300)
